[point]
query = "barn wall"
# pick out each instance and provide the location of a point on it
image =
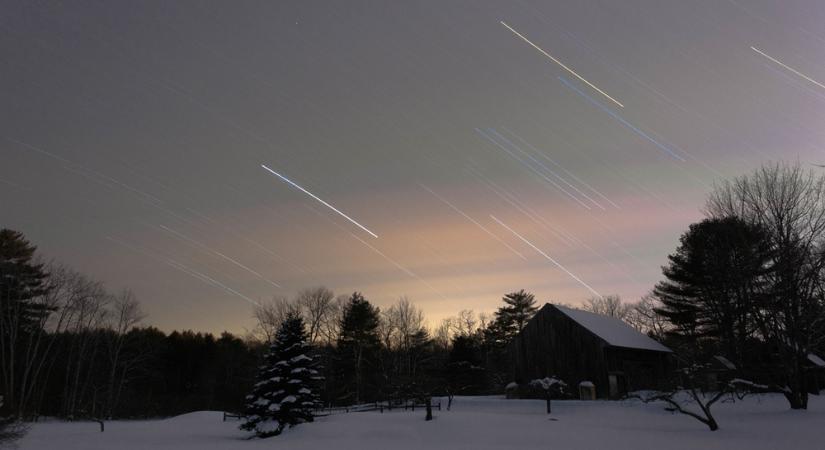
(641, 369)
(552, 344)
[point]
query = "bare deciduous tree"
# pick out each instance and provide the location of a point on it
(401, 331)
(270, 315)
(465, 323)
(88, 306)
(789, 203)
(126, 314)
(608, 305)
(331, 325)
(688, 396)
(316, 305)
(442, 333)
(643, 317)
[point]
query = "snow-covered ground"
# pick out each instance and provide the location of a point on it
(475, 423)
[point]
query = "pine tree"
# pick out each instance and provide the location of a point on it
(510, 319)
(357, 351)
(464, 371)
(714, 286)
(23, 281)
(518, 310)
(284, 392)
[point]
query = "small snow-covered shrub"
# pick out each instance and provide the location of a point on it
(511, 390)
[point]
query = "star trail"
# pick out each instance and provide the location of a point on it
(219, 156)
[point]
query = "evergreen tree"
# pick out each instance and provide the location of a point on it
(22, 281)
(519, 308)
(357, 351)
(714, 285)
(284, 392)
(465, 373)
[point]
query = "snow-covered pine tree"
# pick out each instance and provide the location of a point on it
(283, 395)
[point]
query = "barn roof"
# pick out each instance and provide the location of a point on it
(612, 330)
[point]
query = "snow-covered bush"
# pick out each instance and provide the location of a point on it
(283, 395)
(548, 383)
(549, 386)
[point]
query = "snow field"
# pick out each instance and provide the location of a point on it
(477, 423)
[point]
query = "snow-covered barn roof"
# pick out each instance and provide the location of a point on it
(612, 330)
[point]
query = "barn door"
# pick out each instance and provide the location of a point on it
(613, 385)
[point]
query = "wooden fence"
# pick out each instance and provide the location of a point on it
(406, 405)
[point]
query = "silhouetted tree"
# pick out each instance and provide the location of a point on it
(715, 284)
(519, 307)
(608, 305)
(22, 282)
(788, 203)
(357, 351)
(465, 373)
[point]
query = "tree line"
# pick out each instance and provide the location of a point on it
(745, 283)
(70, 348)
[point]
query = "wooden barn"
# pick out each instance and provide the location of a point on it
(578, 346)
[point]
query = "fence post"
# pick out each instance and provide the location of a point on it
(428, 404)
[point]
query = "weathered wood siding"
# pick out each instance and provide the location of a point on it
(639, 369)
(553, 344)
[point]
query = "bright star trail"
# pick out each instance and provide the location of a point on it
(627, 124)
(473, 221)
(546, 256)
(563, 66)
(788, 67)
(250, 155)
(573, 176)
(320, 200)
(552, 182)
(545, 168)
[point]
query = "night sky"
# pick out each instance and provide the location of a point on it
(559, 147)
